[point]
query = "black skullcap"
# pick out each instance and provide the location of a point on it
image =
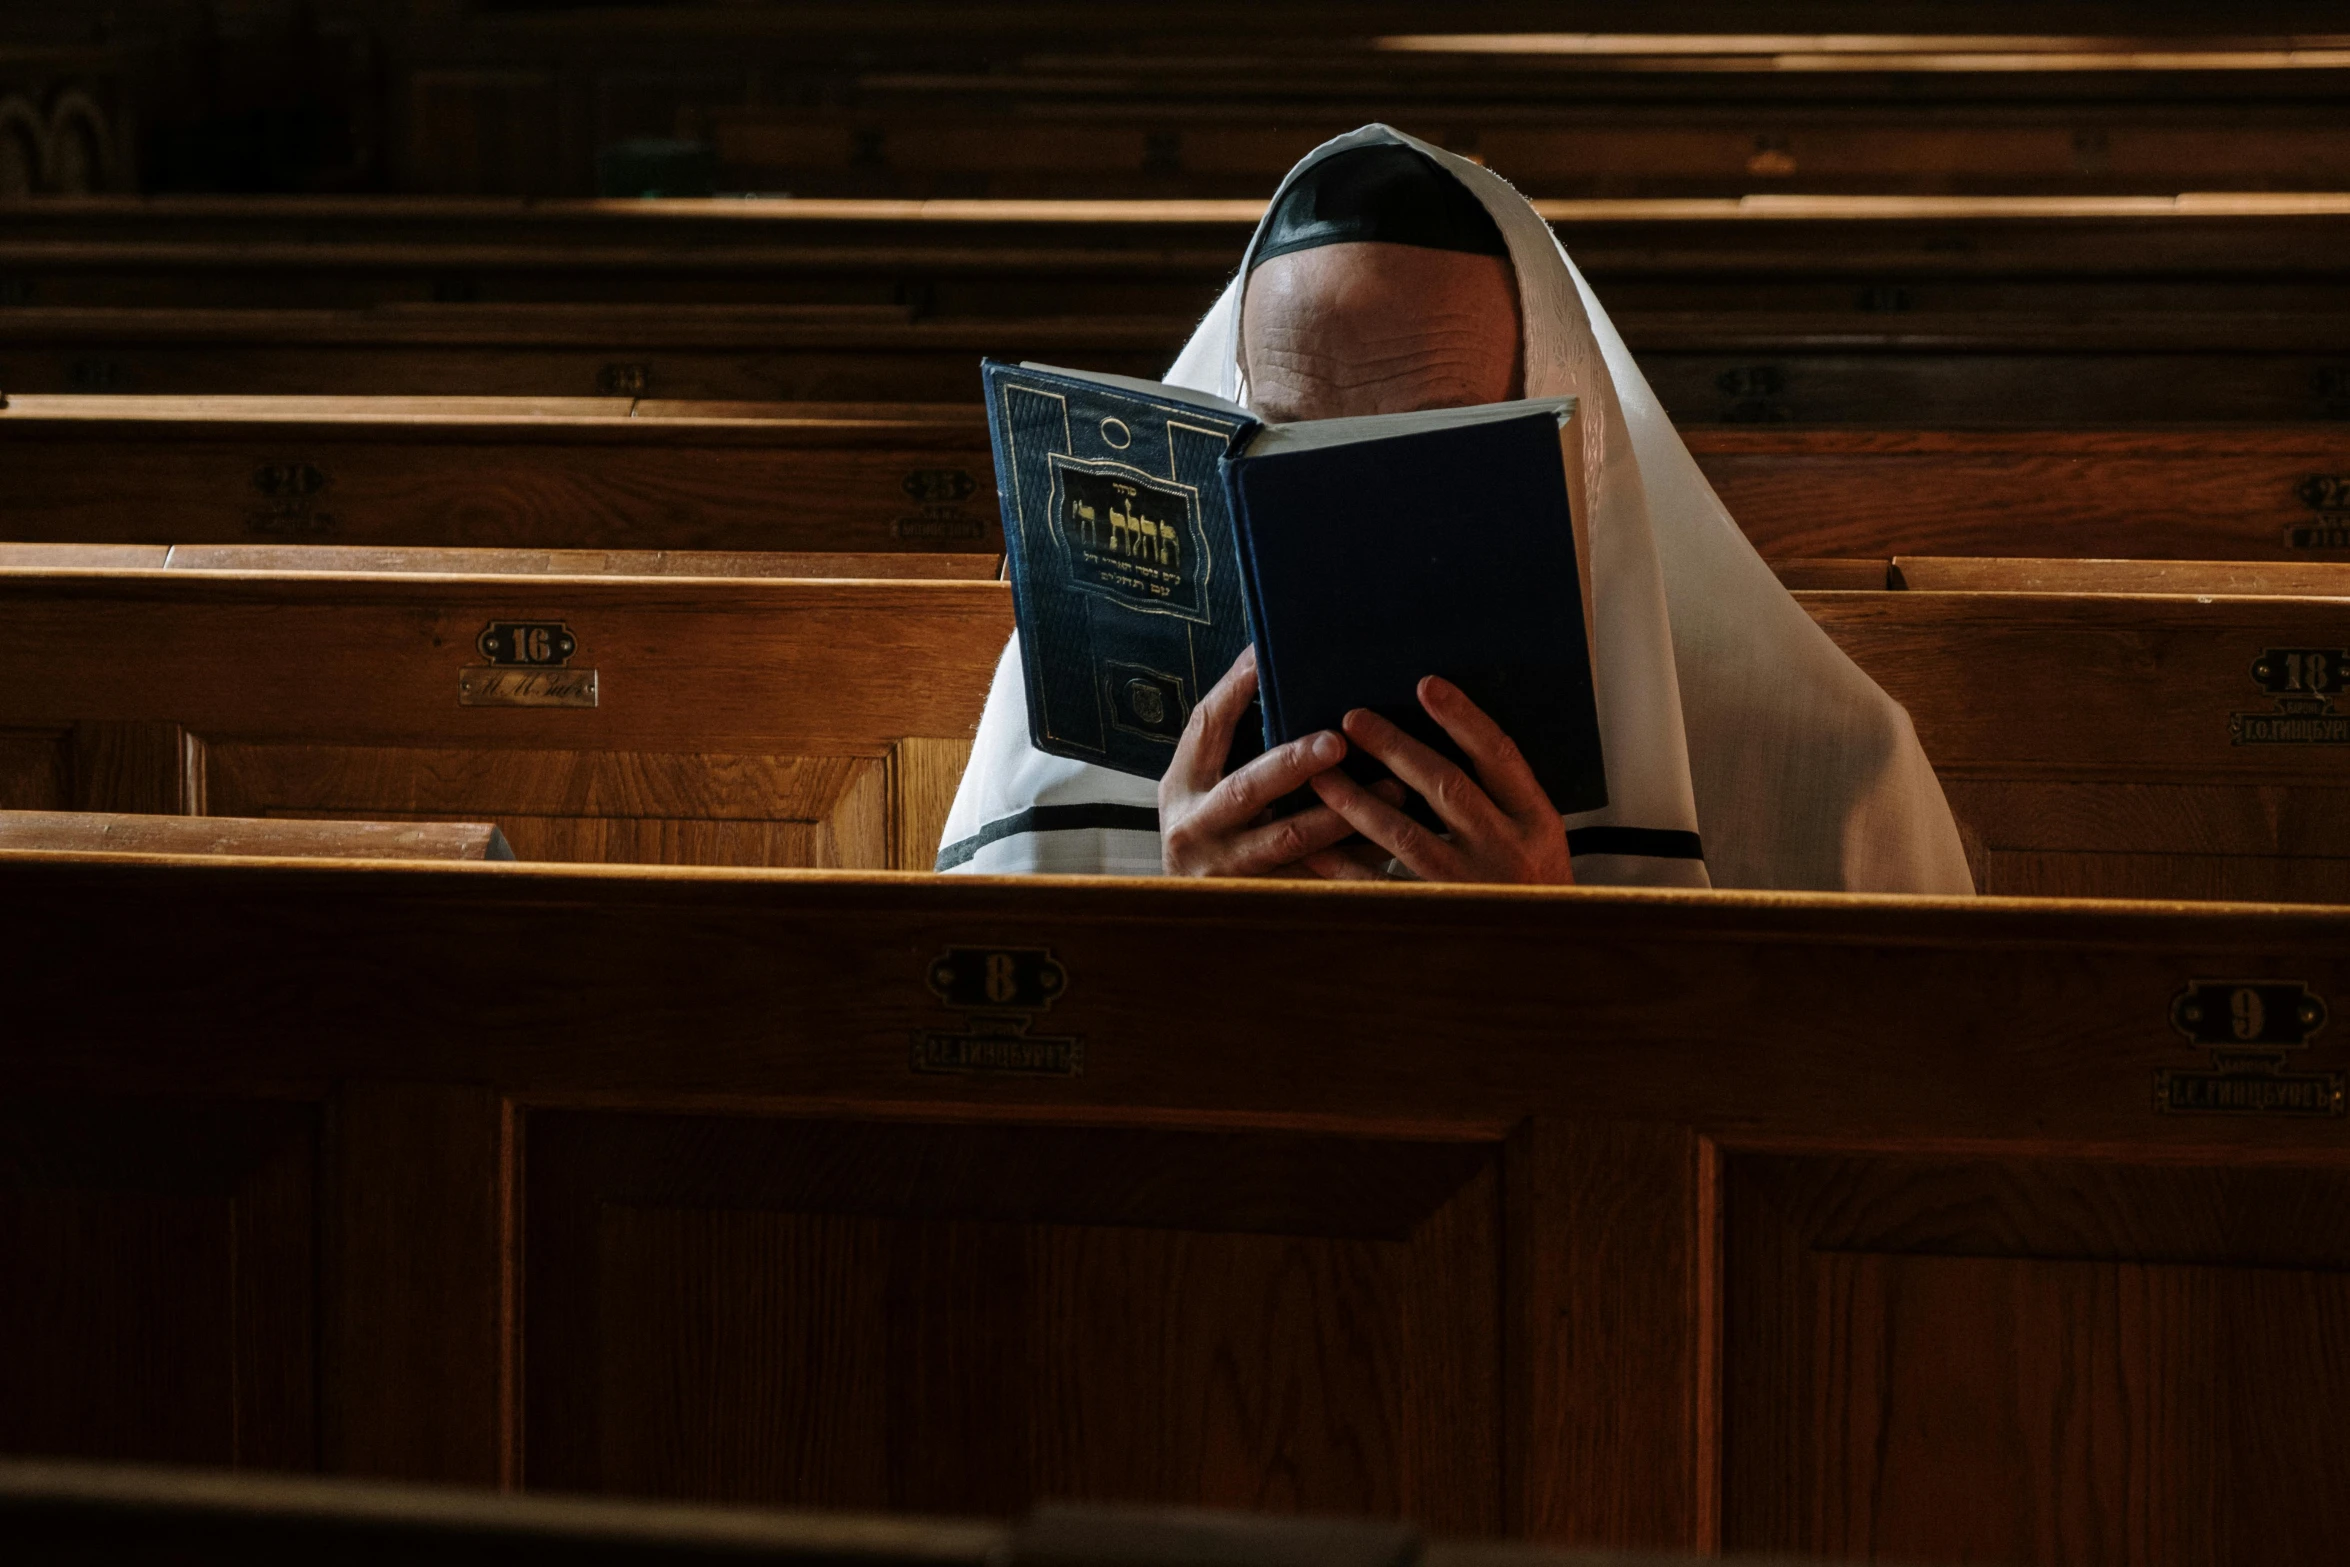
(1390, 193)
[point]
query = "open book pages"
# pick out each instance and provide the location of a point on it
(1276, 440)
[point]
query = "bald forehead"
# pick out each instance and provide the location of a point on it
(1367, 327)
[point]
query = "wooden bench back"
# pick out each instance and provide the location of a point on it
(2091, 743)
(1610, 1219)
(558, 474)
(1561, 134)
(641, 474)
(2018, 370)
(755, 353)
(695, 721)
(1861, 256)
(2123, 745)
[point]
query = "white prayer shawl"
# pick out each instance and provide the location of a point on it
(1729, 719)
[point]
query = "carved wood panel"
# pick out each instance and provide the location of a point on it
(611, 807)
(967, 1318)
(2036, 1362)
(159, 1293)
(35, 771)
(2156, 840)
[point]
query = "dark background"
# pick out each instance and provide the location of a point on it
(520, 97)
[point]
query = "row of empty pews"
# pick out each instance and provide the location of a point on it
(482, 682)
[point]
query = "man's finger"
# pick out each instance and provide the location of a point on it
(1350, 862)
(1423, 853)
(1281, 843)
(1280, 771)
(1453, 794)
(1501, 766)
(1207, 737)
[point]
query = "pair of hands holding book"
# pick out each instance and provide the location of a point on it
(1502, 827)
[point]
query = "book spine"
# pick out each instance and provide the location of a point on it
(1016, 564)
(1233, 469)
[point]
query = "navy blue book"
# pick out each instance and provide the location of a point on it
(1154, 532)
(1125, 574)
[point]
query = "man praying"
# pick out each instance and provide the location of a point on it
(1743, 749)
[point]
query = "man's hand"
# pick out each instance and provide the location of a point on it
(1505, 831)
(1211, 825)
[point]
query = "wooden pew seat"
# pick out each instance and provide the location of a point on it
(98, 832)
(64, 1513)
(1771, 1222)
(2198, 578)
(2037, 574)
(358, 560)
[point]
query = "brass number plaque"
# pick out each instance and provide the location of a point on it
(2249, 1027)
(2327, 495)
(524, 667)
(2303, 682)
(998, 989)
(288, 507)
(479, 687)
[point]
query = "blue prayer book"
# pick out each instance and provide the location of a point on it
(1153, 532)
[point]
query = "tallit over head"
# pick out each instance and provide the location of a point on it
(1743, 748)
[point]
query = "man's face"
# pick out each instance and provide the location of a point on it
(1369, 328)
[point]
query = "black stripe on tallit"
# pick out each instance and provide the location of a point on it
(1049, 818)
(1655, 843)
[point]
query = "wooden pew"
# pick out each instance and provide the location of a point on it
(498, 472)
(1127, 100)
(2279, 494)
(785, 353)
(2124, 744)
(692, 720)
(1881, 1227)
(2080, 258)
(645, 474)
(2184, 113)
(96, 832)
(1832, 366)
(2091, 742)
(60, 1511)
(2200, 578)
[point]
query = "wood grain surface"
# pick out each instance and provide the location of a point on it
(498, 472)
(2191, 494)
(1687, 132)
(740, 721)
(2026, 367)
(162, 1286)
(1830, 1176)
(1992, 574)
(1155, 257)
(2087, 740)
(681, 477)
(62, 1511)
(119, 833)
(1917, 1327)
(959, 1295)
